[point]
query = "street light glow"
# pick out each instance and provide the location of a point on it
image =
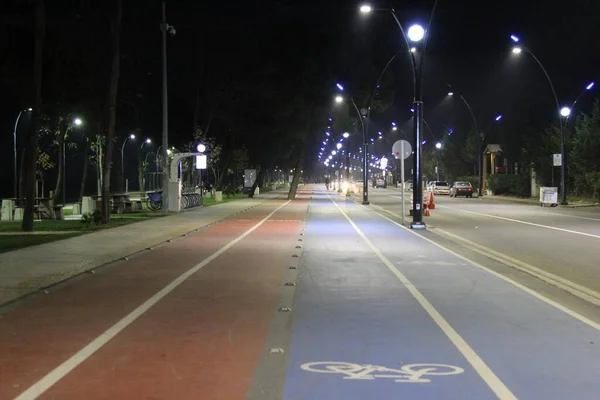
(339, 86)
(499, 117)
(588, 87)
(346, 134)
(517, 50)
(365, 9)
(413, 49)
(416, 33)
(565, 111)
(31, 109)
(438, 145)
(339, 99)
(148, 140)
(77, 121)
(393, 123)
(395, 128)
(333, 152)
(132, 136)
(515, 38)
(450, 93)
(201, 148)
(339, 146)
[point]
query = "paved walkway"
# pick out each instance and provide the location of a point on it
(31, 269)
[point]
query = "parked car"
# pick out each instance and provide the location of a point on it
(440, 187)
(380, 183)
(461, 189)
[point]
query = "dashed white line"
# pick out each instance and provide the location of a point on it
(41, 386)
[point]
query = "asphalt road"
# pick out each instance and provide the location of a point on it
(557, 245)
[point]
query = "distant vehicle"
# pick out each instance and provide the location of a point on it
(461, 189)
(440, 187)
(380, 183)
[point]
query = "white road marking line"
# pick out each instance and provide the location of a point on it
(522, 222)
(578, 290)
(495, 384)
(41, 386)
(532, 292)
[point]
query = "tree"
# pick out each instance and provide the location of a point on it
(32, 133)
(64, 126)
(112, 108)
(584, 153)
(469, 151)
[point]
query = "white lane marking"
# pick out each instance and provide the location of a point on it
(495, 384)
(578, 290)
(413, 373)
(41, 386)
(570, 216)
(522, 222)
(532, 292)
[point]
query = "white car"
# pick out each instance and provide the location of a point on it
(440, 187)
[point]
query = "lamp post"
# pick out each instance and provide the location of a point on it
(361, 114)
(416, 35)
(16, 183)
(339, 150)
(132, 136)
(564, 112)
(164, 28)
(76, 122)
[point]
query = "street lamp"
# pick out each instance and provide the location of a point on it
(16, 186)
(164, 28)
(132, 136)
(563, 165)
(361, 115)
(76, 122)
(339, 147)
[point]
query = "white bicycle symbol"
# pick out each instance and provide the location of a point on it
(406, 373)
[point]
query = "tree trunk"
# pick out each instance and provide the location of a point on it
(297, 173)
(86, 161)
(112, 109)
(59, 179)
(32, 137)
(141, 172)
(21, 176)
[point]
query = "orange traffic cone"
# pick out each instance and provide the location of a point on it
(427, 213)
(431, 201)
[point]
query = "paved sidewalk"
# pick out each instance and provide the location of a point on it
(31, 269)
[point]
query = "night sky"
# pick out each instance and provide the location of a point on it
(244, 44)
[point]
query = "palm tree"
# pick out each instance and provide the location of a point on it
(32, 133)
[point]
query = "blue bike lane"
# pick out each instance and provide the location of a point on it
(390, 315)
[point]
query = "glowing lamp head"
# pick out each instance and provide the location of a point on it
(416, 33)
(201, 148)
(365, 9)
(565, 111)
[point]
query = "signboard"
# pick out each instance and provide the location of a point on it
(200, 162)
(557, 160)
(384, 162)
(549, 195)
(249, 177)
(401, 149)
